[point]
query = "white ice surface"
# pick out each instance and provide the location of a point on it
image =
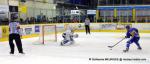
(86, 46)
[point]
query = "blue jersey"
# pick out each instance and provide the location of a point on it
(136, 33)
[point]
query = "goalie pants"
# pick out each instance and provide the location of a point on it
(17, 39)
(133, 40)
(87, 29)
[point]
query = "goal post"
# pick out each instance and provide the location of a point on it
(48, 33)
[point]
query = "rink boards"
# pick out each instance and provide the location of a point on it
(33, 30)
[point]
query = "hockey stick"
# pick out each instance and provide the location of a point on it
(116, 43)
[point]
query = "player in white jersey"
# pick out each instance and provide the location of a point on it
(69, 36)
(15, 34)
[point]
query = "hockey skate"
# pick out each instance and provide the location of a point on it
(126, 50)
(139, 48)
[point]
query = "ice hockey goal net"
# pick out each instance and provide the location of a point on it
(47, 34)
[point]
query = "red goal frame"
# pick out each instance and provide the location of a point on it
(43, 33)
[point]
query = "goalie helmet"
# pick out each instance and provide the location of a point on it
(76, 36)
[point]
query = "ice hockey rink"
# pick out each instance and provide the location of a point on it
(87, 47)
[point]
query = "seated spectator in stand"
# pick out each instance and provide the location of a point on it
(0, 21)
(39, 18)
(27, 20)
(21, 20)
(5, 21)
(44, 18)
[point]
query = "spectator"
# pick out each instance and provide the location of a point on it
(27, 20)
(0, 21)
(44, 18)
(38, 18)
(21, 20)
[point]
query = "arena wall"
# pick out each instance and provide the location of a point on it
(33, 30)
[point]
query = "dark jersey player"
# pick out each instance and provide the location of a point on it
(134, 34)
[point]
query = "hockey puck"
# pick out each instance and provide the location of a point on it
(110, 49)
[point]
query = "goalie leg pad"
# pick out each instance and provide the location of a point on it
(64, 42)
(67, 43)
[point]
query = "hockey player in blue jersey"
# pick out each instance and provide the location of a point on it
(134, 34)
